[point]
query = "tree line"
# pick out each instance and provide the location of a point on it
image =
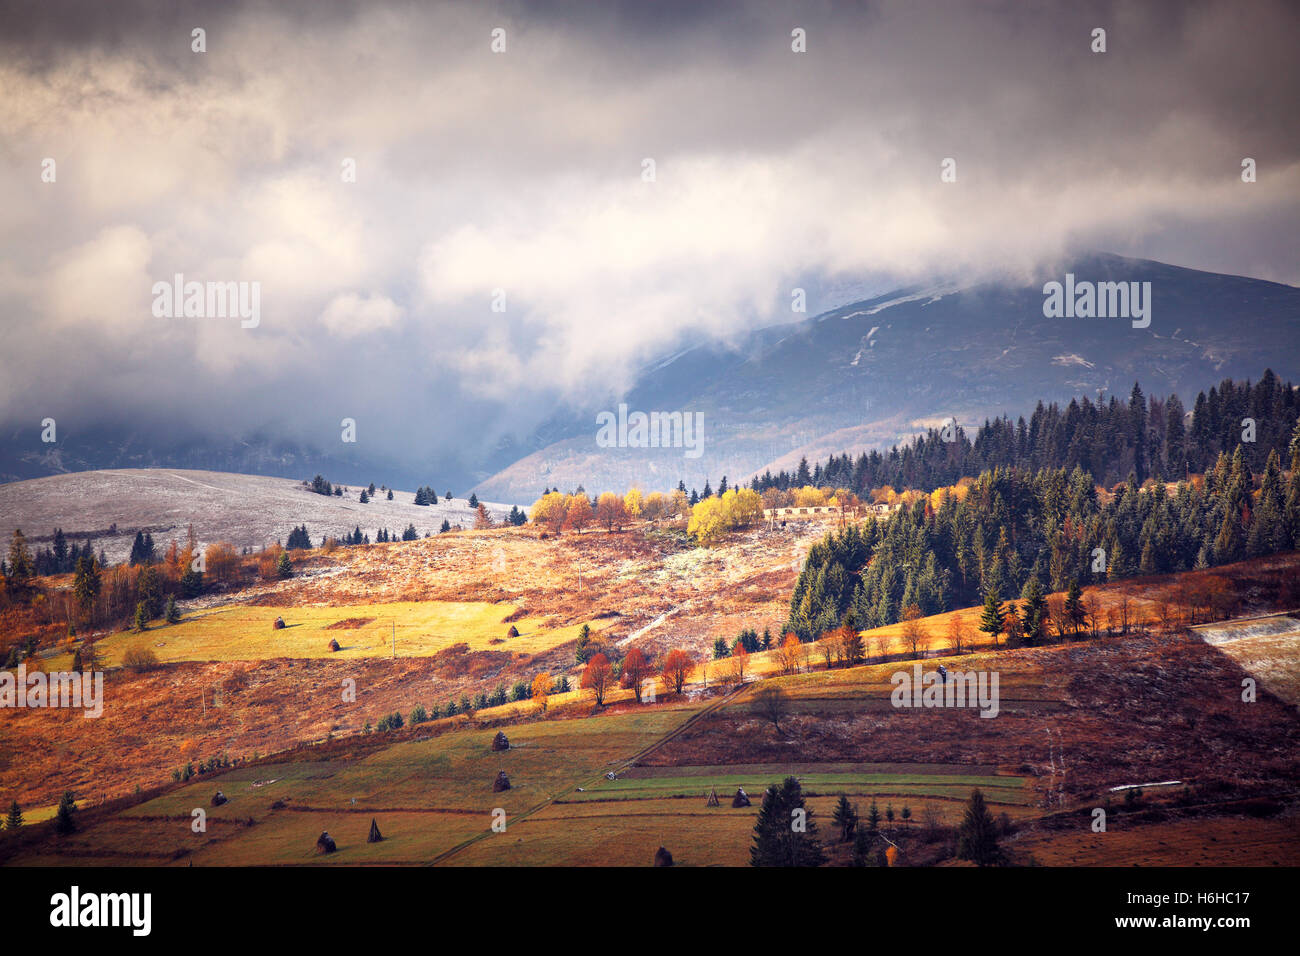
(1148, 437)
(1013, 527)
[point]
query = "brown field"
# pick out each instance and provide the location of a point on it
(1077, 717)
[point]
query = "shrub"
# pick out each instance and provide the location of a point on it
(140, 659)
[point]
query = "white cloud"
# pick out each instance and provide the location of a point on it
(350, 315)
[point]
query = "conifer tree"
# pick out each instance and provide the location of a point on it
(991, 620)
(977, 838)
(846, 818)
(65, 821)
(785, 833)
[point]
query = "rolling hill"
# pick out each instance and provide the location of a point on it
(246, 510)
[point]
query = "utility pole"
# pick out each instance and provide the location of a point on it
(394, 638)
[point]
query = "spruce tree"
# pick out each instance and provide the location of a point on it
(785, 833)
(846, 818)
(1033, 611)
(977, 838)
(992, 617)
(65, 820)
(15, 818)
(173, 613)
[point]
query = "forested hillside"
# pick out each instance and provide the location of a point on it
(1014, 526)
(1145, 436)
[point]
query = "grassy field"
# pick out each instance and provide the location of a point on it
(428, 796)
(431, 796)
(422, 629)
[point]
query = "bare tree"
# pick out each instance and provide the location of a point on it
(958, 634)
(1092, 608)
(914, 633)
(771, 702)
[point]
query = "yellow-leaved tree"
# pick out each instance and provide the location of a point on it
(632, 502)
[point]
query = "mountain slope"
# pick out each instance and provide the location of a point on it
(876, 371)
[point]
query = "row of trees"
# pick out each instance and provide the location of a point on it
(634, 670)
(786, 832)
(1147, 437)
(558, 512)
(1049, 526)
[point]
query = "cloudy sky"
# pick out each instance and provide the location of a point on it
(522, 171)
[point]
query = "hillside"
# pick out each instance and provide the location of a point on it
(873, 372)
(1078, 721)
(246, 510)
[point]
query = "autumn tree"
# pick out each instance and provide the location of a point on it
(739, 660)
(542, 689)
(914, 633)
(222, 561)
(788, 654)
(635, 670)
(596, 677)
(633, 504)
(958, 634)
(577, 514)
(677, 668)
(481, 517)
(849, 641)
(550, 511)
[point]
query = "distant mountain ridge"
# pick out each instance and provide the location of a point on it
(874, 372)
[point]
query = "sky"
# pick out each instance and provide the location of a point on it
(517, 179)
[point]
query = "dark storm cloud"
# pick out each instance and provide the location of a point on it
(522, 172)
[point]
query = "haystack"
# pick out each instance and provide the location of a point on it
(219, 798)
(325, 843)
(513, 632)
(502, 782)
(500, 741)
(713, 798)
(279, 624)
(375, 836)
(741, 799)
(663, 857)
(334, 645)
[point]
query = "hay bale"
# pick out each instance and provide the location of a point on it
(325, 843)
(663, 857)
(219, 798)
(500, 741)
(513, 632)
(375, 836)
(741, 799)
(279, 624)
(502, 782)
(334, 644)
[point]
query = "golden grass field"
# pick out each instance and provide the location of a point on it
(415, 629)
